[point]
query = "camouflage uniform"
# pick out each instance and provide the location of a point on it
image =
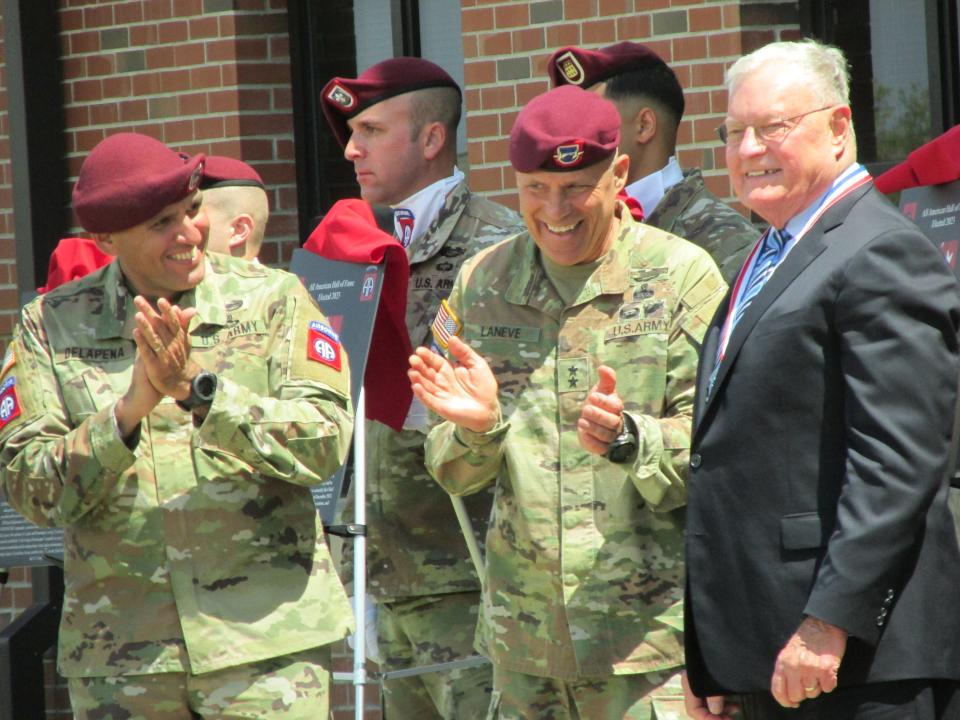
(416, 554)
(692, 212)
(584, 575)
(195, 548)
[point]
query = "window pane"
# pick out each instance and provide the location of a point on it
(442, 43)
(901, 78)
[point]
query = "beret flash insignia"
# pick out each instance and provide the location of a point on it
(342, 98)
(570, 68)
(568, 154)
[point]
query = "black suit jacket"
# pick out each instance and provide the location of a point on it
(818, 463)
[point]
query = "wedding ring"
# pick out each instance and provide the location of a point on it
(810, 689)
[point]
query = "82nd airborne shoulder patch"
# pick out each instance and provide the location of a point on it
(9, 401)
(323, 345)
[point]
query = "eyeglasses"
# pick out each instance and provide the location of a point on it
(770, 133)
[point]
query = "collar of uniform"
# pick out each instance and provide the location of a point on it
(116, 320)
(207, 298)
(650, 189)
(117, 305)
(612, 277)
(442, 225)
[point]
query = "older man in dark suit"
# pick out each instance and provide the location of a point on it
(821, 558)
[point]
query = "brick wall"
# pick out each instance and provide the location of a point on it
(506, 45)
(201, 75)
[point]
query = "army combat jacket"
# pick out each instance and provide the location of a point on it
(692, 212)
(584, 557)
(195, 547)
(415, 545)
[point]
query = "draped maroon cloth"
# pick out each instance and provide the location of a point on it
(349, 232)
(933, 163)
(73, 258)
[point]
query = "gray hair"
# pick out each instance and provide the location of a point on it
(823, 67)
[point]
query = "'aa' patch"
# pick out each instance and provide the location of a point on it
(369, 284)
(570, 68)
(341, 97)
(9, 402)
(445, 325)
(403, 225)
(323, 345)
(569, 154)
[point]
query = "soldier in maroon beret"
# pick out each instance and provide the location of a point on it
(129, 183)
(651, 104)
(397, 123)
(235, 200)
(169, 411)
(571, 392)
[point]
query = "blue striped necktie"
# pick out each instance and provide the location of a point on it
(767, 260)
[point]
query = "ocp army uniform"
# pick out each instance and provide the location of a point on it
(197, 547)
(584, 557)
(692, 212)
(419, 568)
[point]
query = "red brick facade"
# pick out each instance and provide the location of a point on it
(506, 45)
(214, 76)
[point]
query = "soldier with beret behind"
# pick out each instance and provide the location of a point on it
(650, 101)
(397, 123)
(573, 354)
(170, 412)
(235, 201)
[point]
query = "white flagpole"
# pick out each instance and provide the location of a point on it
(359, 556)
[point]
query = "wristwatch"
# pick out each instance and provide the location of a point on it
(623, 447)
(202, 389)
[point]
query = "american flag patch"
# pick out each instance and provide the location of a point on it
(445, 325)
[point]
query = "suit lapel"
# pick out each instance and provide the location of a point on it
(802, 254)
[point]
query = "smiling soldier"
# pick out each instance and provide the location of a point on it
(573, 395)
(170, 411)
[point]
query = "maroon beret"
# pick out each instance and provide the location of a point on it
(222, 171)
(342, 98)
(566, 128)
(933, 163)
(128, 178)
(577, 66)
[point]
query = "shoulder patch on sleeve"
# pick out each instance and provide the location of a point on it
(316, 353)
(323, 345)
(9, 401)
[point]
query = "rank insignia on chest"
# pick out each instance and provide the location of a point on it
(9, 401)
(445, 325)
(323, 345)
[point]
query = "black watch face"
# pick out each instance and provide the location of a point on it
(621, 452)
(206, 385)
